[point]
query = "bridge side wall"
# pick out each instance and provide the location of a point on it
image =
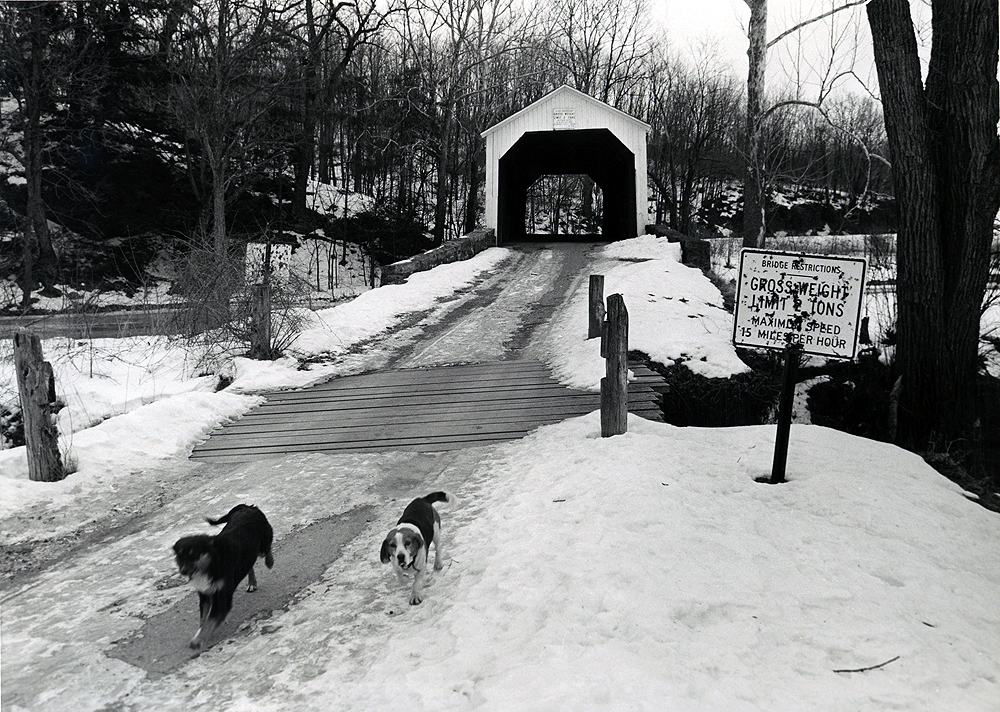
(452, 251)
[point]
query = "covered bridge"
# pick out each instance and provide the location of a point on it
(567, 132)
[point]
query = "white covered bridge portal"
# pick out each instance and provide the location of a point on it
(567, 132)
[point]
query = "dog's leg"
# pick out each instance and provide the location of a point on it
(399, 573)
(416, 595)
(205, 632)
(419, 567)
(205, 609)
(251, 581)
(438, 551)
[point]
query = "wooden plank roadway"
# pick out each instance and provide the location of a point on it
(419, 409)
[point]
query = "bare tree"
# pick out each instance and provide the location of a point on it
(753, 181)
(225, 84)
(330, 33)
(692, 113)
(456, 41)
(601, 46)
(30, 37)
(942, 136)
(754, 184)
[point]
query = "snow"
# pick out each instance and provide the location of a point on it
(675, 315)
(652, 579)
(645, 571)
(340, 328)
(106, 454)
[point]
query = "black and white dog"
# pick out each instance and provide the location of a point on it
(407, 544)
(215, 565)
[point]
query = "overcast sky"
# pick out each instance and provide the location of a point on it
(719, 26)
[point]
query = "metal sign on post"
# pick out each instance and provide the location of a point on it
(797, 303)
(787, 298)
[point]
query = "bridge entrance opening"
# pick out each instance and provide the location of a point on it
(595, 153)
(564, 207)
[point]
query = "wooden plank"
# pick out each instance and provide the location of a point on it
(386, 433)
(404, 390)
(439, 374)
(383, 433)
(396, 398)
(240, 456)
(421, 410)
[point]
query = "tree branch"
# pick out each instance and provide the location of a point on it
(871, 667)
(811, 20)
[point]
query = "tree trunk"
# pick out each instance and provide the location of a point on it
(946, 174)
(40, 261)
(441, 190)
(472, 200)
(220, 240)
(753, 180)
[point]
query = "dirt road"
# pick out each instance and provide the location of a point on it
(100, 620)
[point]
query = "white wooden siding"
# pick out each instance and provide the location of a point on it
(550, 113)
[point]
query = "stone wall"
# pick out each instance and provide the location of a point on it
(451, 251)
(694, 252)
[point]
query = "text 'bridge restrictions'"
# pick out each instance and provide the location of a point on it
(786, 298)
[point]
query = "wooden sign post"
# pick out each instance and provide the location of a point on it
(797, 303)
(596, 311)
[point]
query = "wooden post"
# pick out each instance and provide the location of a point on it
(260, 322)
(37, 389)
(596, 323)
(614, 386)
(260, 311)
(785, 403)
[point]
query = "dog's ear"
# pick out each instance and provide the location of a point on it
(384, 554)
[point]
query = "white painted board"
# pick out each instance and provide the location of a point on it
(785, 298)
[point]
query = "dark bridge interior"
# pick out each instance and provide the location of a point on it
(594, 152)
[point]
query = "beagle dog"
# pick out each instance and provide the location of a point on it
(406, 545)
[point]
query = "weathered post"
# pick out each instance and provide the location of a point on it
(260, 322)
(614, 386)
(596, 322)
(37, 389)
(785, 403)
(260, 304)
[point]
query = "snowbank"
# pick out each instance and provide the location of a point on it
(675, 315)
(649, 571)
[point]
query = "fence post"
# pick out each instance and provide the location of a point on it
(37, 389)
(260, 322)
(596, 322)
(614, 386)
(260, 309)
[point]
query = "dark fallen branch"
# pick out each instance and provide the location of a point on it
(872, 667)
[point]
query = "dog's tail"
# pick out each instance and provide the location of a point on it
(225, 517)
(442, 501)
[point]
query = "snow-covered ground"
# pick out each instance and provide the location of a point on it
(644, 571)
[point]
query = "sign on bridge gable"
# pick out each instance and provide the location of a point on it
(786, 298)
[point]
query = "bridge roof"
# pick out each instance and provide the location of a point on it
(568, 93)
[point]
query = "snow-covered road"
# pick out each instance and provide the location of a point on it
(111, 605)
(647, 571)
(497, 319)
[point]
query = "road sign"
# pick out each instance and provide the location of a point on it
(785, 298)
